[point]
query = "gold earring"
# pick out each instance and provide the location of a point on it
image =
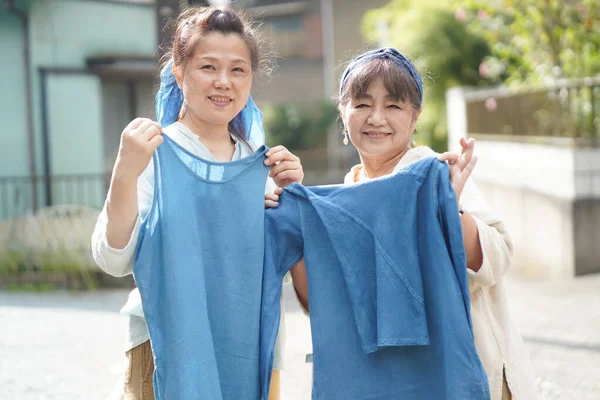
(345, 141)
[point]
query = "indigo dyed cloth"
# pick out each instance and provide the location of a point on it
(198, 269)
(388, 295)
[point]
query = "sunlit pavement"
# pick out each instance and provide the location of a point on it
(68, 346)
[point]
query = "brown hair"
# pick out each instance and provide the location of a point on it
(196, 22)
(395, 79)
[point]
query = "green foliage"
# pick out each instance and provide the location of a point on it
(40, 267)
(298, 126)
(535, 41)
(445, 51)
(12, 262)
(481, 42)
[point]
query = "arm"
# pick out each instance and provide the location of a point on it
(493, 240)
(139, 140)
(473, 249)
(115, 235)
(300, 281)
(488, 247)
(118, 260)
(121, 211)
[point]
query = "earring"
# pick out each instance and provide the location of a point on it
(345, 141)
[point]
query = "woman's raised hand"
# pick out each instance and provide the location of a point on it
(285, 167)
(461, 166)
(138, 141)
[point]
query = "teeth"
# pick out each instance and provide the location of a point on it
(220, 99)
(377, 134)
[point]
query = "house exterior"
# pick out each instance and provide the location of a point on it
(312, 39)
(89, 66)
(75, 72)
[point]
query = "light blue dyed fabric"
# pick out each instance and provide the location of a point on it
(388, 294)
(197, 267)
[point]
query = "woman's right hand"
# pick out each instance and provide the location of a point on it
(138, 141)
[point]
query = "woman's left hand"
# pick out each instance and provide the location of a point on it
(461, 166)
(272, 199)
(285, 167)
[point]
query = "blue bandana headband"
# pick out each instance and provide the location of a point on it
(169, 100)
(384, 53)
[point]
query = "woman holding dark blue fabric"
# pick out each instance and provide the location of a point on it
(204, 108)
(380, 100)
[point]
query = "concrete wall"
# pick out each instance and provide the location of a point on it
(547, 192)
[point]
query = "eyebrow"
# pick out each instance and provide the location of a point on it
(215, 59)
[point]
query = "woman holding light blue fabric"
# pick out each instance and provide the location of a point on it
(206, 113)
(380, 100)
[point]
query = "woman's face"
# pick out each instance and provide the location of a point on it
(379, 125)
(217, 79)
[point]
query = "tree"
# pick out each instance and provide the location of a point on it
(536, 41)
(442, 48)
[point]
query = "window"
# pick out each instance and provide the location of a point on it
(286, 34)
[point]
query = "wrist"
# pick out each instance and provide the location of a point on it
(123, 176)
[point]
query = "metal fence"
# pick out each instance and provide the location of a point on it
(568, 109)
(19, 196)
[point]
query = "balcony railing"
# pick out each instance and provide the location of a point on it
(17, 199)
(567, 109)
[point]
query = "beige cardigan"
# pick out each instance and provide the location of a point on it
(497, 339)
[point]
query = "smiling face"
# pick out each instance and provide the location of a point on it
(379, 124)
(216, 80)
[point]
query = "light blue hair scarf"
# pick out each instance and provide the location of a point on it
(169, 100)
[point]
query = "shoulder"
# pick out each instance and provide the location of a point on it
(350, 177)
(174, 130)
(412, 157)
(416, 154)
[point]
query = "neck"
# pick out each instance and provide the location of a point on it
(208, 133)
(216, 138)
(377, 167)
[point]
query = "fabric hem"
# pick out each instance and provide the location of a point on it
(130, 344)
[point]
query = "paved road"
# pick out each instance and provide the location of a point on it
(65, 346)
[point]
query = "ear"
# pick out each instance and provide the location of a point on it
(416, 114)
(342, 112)
(178, 75)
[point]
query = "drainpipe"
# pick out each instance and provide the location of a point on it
(333, 136)
(28, 101)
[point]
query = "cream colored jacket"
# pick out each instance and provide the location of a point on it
(497, 339)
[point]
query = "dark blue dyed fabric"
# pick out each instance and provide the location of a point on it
(388, 295)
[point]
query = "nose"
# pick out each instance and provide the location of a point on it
(222, 80)
(377, 117)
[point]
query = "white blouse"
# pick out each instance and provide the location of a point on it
(119, 262)
(497, 339)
